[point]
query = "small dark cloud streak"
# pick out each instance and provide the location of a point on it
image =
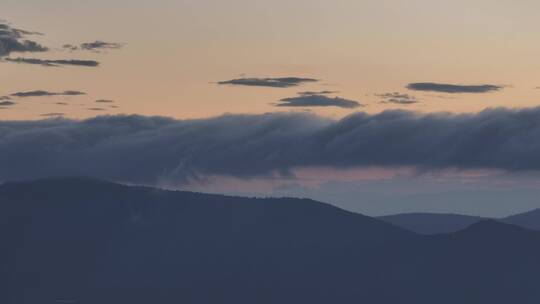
(397, 98)
(40, 93)
(282, 82)
(95, 46)
(100, 45)
(453, 88)
(318, 101)
(308, 93)
(54, 63)
(6, 103)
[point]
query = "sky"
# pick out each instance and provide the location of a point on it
(443, 90)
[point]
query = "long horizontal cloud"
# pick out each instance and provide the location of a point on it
(40, 93)
(54, 63)
(318, 101)
(453, 88)
(14, 40)
(282, 82)
(153, 149)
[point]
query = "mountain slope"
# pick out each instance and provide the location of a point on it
(96, 242)
(431, 223)
(70, 236)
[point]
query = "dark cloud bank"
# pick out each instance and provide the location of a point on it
(283, 82)
(154, 149)
(453, 88)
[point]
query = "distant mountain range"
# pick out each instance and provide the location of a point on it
(86, 241)
(434, 223)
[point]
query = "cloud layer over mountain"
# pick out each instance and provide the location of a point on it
(149, 149)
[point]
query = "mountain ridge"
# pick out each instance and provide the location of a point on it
(101, 242)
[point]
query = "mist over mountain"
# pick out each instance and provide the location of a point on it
(434, 223)
(529, 219)
(431, 223)
(89, 241)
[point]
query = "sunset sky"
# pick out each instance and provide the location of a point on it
(175, 51)
(201, 59)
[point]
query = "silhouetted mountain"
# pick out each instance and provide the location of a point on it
(431, 223)
(529, 219)
(97, 242)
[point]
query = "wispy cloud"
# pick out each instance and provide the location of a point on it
(453, 88)
(54, 63)
(95, 46)
(6, 103)
(14, 40)
(40, 93)
(397, 98)
(282, 82)
(307, 93)
(52, 114)
(100, 45)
